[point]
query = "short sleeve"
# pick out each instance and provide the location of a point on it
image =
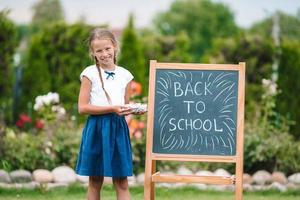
(87, 73)
(129, 76)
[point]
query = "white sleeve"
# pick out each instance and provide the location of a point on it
(129, 77)
(87, 73)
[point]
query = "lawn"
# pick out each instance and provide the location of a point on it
(77, 192)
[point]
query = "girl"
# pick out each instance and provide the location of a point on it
(105, 147)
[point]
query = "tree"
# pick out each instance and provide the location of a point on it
(256, 51)
(45, 13)
(289, 26)
(56, 56)
(131, 56)
(202, 20)
(289, 85)
(8, 43)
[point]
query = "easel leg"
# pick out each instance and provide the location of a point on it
(239, 181)
(152, 183)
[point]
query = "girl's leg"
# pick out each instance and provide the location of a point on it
(95, 184)
(122, 189)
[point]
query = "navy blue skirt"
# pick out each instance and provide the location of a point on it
(105, 148)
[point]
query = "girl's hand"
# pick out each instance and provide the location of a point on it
(122, 110)
(139, 113)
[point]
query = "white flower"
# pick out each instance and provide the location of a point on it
(73, 118)
(61, 111)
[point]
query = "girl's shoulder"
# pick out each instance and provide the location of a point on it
(122, 70)
(89, 68)
(89, 72)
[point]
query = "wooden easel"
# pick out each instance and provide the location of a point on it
(152, 176)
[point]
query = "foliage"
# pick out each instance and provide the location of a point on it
(267, 142)
(131, 53)
(165, 48)
(56, 56)
(288, 80)
(257, 52)
(289, 26)
(202, 20)
(34, 151)
(46, 12)
(8, 43)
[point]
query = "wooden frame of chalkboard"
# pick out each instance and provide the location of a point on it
(196, 114)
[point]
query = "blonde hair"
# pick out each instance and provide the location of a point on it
(101, 34)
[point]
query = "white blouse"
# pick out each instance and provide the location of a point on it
(114, 85)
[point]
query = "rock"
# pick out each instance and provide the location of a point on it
(131, 180)
(294, 178)
(4, 177)
(63, 174)
(108, 180)
(279, 177)
(82, 179)
(6, 185)
(221, 187)
(21, 176)
(291, 186)
(200, 186)
(184, 171)
(56, 185)
(247, 187)
(140, 179)
(247, 179)
(262, 177)
(42, 176)
(204, 173)
(222, 172)
(278, 186)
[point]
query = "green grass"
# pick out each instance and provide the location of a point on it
(76, 192)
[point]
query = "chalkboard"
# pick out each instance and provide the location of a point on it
(195, 112)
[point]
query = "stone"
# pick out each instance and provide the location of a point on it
(204, 173)
(21, 176)
(278, 186)
(200, 186)
(247, 179)
(131, 180)
(262, 177)
(56, 185)
(4, 177)
(42, 176)
(108, 180)
(82, 179)
(279, 177)
(184, 171)
(63, 174)
(222, 172)
(294, 178)
(140, 179)
(247, 187)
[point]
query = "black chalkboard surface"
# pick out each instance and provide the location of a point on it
(195, 112)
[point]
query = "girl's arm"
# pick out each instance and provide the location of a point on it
(83, 101)
(127, 93)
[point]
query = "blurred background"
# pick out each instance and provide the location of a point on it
(43, 49)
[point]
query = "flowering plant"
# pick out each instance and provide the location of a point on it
(25, 122)
(48, 108)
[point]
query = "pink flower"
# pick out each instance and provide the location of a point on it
(20, 123)
(39, 124)
(25, 118)
(138, 134)
(141, 125)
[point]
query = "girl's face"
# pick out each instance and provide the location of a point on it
(104, 50)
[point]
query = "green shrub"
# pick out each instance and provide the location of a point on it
(33, 151)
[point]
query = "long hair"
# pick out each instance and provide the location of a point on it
(101, 34)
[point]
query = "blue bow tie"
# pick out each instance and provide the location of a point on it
(110, 74)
